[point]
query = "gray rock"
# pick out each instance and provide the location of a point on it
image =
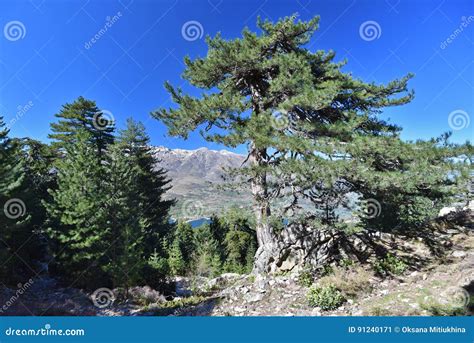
(459, 253)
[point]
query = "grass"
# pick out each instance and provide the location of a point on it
(352, 282)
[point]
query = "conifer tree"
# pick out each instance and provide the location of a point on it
(78, 206)
(152, 184)
(309, 127)
(15, 219)
(182, 249)
(124, 226)
(82, 114)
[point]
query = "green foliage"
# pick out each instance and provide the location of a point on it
(182, 249)
(227, 244)
(306, 278)
(82, 115)
(313, 131)
(77, 206)
(17, 224)
(327, 298)
(390, 264)
(152, 184)
(95, 239)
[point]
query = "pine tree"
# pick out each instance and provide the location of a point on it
(309, 127)
(152, 183)
(15, 219)
(82, 114)
(79, 207)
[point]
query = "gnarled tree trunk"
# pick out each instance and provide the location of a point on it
(267, 240)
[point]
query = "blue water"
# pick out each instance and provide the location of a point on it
(198, 222)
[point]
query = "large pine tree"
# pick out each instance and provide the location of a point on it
(82, 114)
(311, 129)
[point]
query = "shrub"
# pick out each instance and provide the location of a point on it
(306, 278)
(390, 265)
(327, 298)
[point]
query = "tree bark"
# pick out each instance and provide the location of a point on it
(266, 239)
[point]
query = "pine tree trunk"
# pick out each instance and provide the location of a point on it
(265, 236)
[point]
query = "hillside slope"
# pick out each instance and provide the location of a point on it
(197, 179)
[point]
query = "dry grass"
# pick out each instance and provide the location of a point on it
(352, 282)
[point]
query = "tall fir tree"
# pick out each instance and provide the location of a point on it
(152, 185)
(309, 127)
(79, 241)
(125, 231)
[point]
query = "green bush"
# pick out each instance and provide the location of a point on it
(306, 278)
(390, 264)
(327, 298)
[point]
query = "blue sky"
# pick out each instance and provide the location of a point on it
(50, 59)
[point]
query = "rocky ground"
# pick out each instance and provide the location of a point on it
(437, 280)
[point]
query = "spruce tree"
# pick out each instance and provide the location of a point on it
(310, 128)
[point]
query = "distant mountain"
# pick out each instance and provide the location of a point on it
(196, 176)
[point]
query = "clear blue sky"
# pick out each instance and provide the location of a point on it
(45, 63)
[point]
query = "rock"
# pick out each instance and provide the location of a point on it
(239, 309)
(459, 253)
(446, 210)
(253, 297)
(261, 282)
(316, 312)
(244, 290)
(287, 265)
